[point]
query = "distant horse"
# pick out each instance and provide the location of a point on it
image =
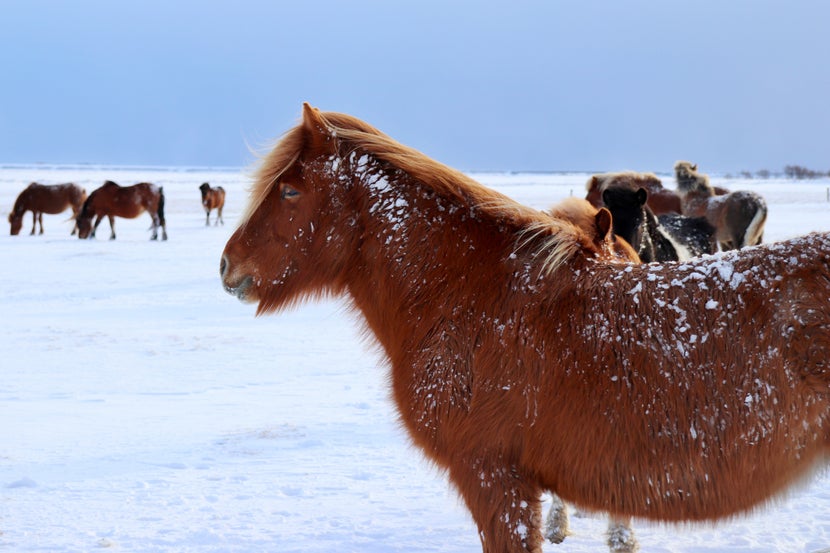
(738, 217)
(213, 198)
(670, 237)
(112, 200)
(45, 198)
(598, 225)
(521, 362)
(660, 200)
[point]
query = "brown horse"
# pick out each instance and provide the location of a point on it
(599, 223)
(45, 198)
(738, 217)
(213, 198)
(660, 200)
(112, 200)
(522, 363)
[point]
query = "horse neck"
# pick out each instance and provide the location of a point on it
(23, 202)
(420, 253)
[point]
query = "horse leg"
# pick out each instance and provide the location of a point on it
(207, 216)
(112, 227)
(95, 226)
(621, 537)
(155, 228)
(34, 223)
(219, 217)
(40, 220)
(556, 526)
(504, 504)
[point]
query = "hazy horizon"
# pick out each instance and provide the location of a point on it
(481, 86)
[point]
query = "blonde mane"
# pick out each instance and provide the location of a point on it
(561, 239)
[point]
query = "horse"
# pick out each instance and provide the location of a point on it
(112, 200)
(213, 198)
(597, 224)
(669, 237)
(520, 362)
(660, 200)
(738, 217)
(45, 198)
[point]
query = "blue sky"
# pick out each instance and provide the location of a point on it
(479, 85)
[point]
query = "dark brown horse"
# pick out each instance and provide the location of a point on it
(738, 217)
(521, 362)
(112, 200)
(45, 198)
(213, 198)
(660, 200)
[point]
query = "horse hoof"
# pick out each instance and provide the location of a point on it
(621, 539)
(556, 535)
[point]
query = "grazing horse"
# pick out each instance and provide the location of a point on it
(521, 362)
(738, 217)
(45, 198)
(660, 200)
(213, 198)
(112, 200)
(669, 237)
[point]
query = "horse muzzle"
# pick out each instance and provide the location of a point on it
(235, 286)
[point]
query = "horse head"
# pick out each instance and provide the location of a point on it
(83, 219)
(689, 181)
(296, 234)
(597, 225)
(16, 220)
(628, 209)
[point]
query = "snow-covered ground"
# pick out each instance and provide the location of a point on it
(143, 409)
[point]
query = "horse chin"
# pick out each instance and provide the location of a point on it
(244, 290)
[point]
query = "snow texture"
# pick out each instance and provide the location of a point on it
(143, 409)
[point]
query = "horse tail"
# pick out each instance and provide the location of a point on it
(755, 230)
(160, 211)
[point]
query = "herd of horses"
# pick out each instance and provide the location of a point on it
(558, 351)
(110, 200)
(533, 352)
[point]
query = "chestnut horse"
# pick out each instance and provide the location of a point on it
(112, 200)
(45, 198)
(213, 198)
(520, 362)
(738, 217)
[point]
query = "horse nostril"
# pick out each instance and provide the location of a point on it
(223, 265)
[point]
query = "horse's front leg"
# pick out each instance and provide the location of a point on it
(556, 526)
(207, 217)
(40, 220)
(621, 537)
(219, 218)
(34, 223)
(112, 226)
(505, 506)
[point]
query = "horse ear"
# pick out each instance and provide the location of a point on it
(642, 196)
(605, 194)
(603, 222)
(317, 132)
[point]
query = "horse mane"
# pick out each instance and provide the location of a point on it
(632, 179)
(559, 239)
(689, 180)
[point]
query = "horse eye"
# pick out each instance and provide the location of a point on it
(288, 192)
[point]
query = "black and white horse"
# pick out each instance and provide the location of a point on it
(669, 237)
